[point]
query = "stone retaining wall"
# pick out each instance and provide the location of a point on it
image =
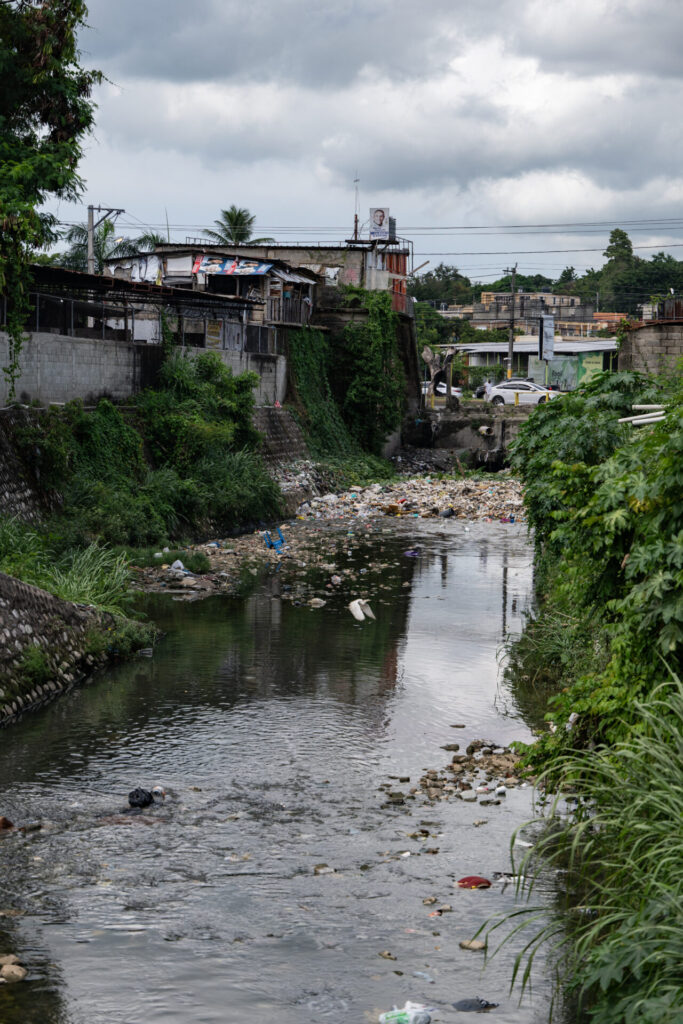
(33, 620)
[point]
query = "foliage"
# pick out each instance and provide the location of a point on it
(234, 227)
(618, 933)
(319, 415)
(442, 285)
(121, 639)
(608, 515)
(93, 575)
(45, 110)
(185, 461)
(34, 668)
(366, 372)
(106, 246)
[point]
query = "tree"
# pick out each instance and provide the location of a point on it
(45, 110)
(443, 284)
(620, 248)
(234, 227)
(105, 245)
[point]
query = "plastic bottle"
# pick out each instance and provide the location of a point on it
(412, 1013)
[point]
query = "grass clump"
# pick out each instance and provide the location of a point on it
(93, 575)
(621, 851)
(34, 668)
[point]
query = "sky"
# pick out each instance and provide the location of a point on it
(474, 122)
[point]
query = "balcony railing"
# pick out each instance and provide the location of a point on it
(287, 311)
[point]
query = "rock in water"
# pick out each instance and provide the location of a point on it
(13, 972)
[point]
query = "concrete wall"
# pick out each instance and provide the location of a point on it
(56, 368)
(653, 348)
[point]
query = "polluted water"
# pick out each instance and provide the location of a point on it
(282, 862)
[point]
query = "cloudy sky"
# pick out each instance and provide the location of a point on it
(454, 113)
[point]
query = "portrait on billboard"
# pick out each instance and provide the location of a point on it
(379, 222)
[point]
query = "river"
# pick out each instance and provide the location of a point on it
(271, 727)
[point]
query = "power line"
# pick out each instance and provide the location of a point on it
(527, 252)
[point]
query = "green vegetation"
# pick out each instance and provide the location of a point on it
(606, 504)
(45, 110)
(183, 460)
(350, 392)
(106, 246)
(93, 575)
(367, 375)
(615, 934)
(234, 227)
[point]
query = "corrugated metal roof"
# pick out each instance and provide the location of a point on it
(566, 346)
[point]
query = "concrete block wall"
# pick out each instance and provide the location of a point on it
(56, 368)
(652, 349)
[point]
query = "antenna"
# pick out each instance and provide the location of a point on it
(356, 182)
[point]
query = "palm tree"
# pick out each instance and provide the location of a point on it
(235, 227)
(105, 245)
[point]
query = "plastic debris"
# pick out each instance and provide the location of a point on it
(412, 1013)
(276, 543)
(473, 882)
(178, 565)
(476, 1005)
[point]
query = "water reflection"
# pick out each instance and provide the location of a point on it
(271, 726)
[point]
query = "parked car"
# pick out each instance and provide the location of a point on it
(441, 389)
(528, 392)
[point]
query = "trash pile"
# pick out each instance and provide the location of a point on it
(424, 498)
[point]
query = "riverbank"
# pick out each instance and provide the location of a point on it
(603, 660)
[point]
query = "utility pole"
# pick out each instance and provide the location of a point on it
(356, 181)
(511, 330)
(106, 211)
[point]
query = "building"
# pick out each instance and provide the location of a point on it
(497, 309)
(575, 361)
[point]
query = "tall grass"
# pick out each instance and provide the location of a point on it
(93, 575)
(620, 951)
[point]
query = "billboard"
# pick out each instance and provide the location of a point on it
(546, 337)
(234, 265)
(379, 222)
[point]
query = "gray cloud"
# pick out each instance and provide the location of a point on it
(508, 109)
(324, 45)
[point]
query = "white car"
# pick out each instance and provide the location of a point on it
(441, 389)
(528, 392)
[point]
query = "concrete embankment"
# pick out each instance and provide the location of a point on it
(46, 645)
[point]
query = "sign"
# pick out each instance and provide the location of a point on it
(214, 333)
(546, 337)
(233, 265)
(379, 222)
(590, 364)
(562, 371)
